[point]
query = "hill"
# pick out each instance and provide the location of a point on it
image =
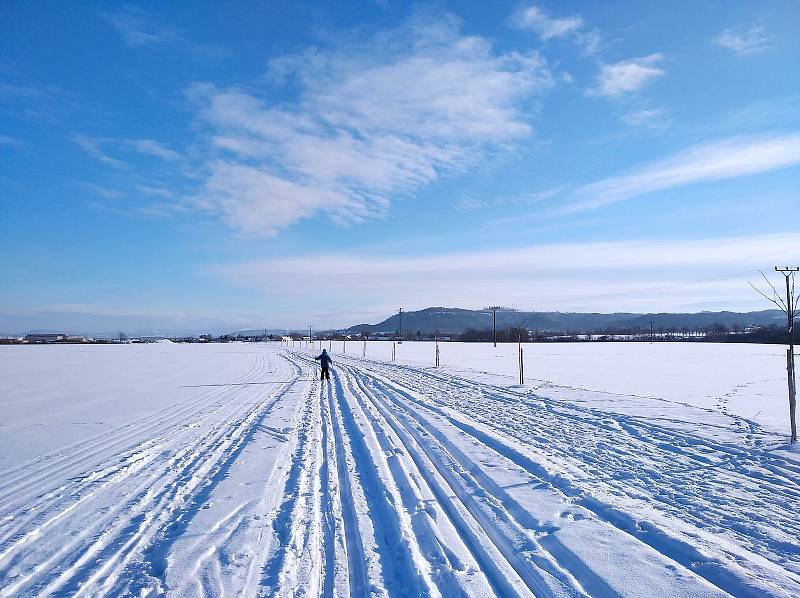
(456, 320)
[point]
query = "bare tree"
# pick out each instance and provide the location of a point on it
(789, 306)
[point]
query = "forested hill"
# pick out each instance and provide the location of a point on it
(456, 321)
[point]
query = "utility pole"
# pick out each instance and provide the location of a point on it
(791, 307)
(651, 332)
(310, 338)
(494, 309)
(521, 363)
(400, 316)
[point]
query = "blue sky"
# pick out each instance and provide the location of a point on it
(273, 164)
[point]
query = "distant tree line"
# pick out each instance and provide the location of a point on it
(719, 333)
(511, 334)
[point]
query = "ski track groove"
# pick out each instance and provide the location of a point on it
(393, 548)
(297, 525)
(93, 449)
(356, 556)
(437, 393)
(530, 570)
(133, 521)
(380, 488)
(409, 480)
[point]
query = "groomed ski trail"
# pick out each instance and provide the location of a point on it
(393, 480)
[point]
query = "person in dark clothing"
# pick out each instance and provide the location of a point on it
(324, 361)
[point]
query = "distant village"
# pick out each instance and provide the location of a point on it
(715, 333)
(39, 338)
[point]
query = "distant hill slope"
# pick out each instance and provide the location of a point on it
(456, 321)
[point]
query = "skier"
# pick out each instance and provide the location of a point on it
(324, 361)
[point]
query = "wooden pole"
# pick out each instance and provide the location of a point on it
(521, 370)
(788, 272)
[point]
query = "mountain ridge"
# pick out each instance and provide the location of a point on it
(457, 320)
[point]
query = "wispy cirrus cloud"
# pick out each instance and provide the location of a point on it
(93, 147)
(627, 76)
(97, 148)
(371, 120)
(744, 42)
(474, 204)
(138, 29)
(156, 191)
(622, 275)
(152, 148)
(103, 191)
(10, 141)
(534, 18)
(723, 159)
(651, 118)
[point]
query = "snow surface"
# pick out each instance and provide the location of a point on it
(633, 470)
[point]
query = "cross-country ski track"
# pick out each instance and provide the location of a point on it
(394, 480)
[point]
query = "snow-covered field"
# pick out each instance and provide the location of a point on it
(620, 469)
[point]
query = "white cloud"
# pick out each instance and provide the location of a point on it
(152, 148)
(743, 43)
(474, 204)
(94, 146)
(654, 118)
(590, 41)
(10, 141)
(138, 29)
(158, 191)
(371, 120)
(103, 191)
(255, 202)
(718, 160)
(535, 19)
(583, 276)
(627, 76)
